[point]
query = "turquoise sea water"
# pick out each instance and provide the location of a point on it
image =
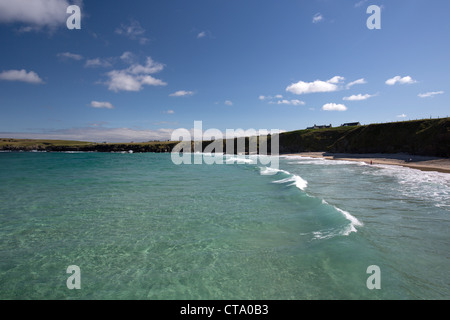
(140, 227)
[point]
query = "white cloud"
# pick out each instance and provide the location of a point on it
(359, 81)
(182, 93)
(120, 80)
(204, 34)
(101, 105)
(133, 30)
(21, 75)
(291, 102)
(170, 112)
(36, 14)
(430, 94)
(402, 116)
(336, 79)
(229, 103)
(302, 87)
(278, 96)
(135, 76)
(400, 80)
(318, 17)
(149, 80)
(150, 67)
(68, 55)
(96, 134)
(97, 62)
(171, 123)
(128, 57)
(334, 107)
(359, 97)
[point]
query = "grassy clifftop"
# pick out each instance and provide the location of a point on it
(29, 144)
(66, 145)
(420, 137)
(311, 140)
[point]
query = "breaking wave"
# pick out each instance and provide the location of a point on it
(302, 184)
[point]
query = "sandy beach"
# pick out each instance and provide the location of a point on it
(415, 162)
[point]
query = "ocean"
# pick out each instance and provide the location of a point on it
(140, 227)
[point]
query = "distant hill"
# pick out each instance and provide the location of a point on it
(430, 137)
(68, 145)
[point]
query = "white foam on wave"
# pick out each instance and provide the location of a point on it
(354, 222)
(239, 159)
(323, 235)
(302, 184)
(74, 152)
(411, 175)
(298, 181)
(297, 157)
(321, 161)
(327, 162)
(267, 171)
(416, 184)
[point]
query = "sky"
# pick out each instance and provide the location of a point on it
(139, 69)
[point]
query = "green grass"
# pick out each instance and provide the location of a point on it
(422, 137)
(70, 145)
(429, 137)
(36, 143)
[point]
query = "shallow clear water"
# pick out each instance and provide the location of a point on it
(140, 227)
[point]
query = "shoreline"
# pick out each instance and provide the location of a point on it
(422, 163)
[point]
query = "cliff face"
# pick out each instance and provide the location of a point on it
(310, 140)
(421, 137)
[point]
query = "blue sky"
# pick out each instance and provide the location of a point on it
(139, 69)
